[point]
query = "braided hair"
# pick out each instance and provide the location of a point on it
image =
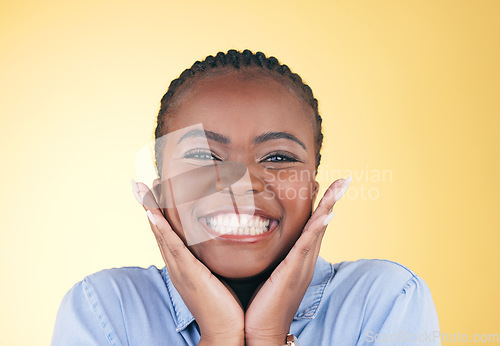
(234, 59)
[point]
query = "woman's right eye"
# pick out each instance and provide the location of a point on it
(200, 154)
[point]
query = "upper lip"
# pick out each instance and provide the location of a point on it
(250, 210)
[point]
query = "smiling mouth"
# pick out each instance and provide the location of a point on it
(230, 225)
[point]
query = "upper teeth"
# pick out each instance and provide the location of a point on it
(238, 224)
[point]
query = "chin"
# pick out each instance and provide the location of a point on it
(238, 264)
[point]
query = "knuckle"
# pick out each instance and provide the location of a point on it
(160, 240)
(176, 251)
(304, 251)
(318, 233)
(276, 277)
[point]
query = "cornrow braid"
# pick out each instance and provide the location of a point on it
(234, 59)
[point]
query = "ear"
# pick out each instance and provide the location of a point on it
(315, 192)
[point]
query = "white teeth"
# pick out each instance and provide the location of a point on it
(245, 219)
(234, 221)
(238, 224)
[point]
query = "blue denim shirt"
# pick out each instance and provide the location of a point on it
(364, 302)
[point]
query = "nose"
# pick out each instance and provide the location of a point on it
(249, 183)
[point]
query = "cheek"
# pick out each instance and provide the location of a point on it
(296, 196)
(293, 187)
(296, 199)
(173, 219)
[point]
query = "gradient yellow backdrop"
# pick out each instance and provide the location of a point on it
(408, 90)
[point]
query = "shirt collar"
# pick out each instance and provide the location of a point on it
(183, 316)
(323, 273)
(308, 308)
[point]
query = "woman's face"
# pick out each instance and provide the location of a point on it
(240, 112)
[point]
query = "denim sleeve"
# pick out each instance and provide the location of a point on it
(79, 320)
(412, 319)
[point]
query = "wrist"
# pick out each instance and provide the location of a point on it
(237, 339)
(265, 340)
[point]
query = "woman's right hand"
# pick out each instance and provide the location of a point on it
(213, 304)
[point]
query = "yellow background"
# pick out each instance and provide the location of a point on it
(406, 87)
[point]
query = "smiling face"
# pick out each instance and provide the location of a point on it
(262, 124)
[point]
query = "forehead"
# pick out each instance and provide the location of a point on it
(240, 99)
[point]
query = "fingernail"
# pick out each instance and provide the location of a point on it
(328, 219)
(134, 185)
(151, 217)
(345, 185)
(137, 197)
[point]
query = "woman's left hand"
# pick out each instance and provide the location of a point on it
(271, 312)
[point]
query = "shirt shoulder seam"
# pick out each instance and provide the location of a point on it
(396, 263)
(408, 282)
(89, 293)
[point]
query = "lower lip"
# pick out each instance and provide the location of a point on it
(273, 224)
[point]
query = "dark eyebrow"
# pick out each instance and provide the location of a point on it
(267, 136)
(208, 134)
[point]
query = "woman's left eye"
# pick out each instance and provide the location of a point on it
(280, 157)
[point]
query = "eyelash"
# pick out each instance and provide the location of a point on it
(198, 152)
(285, 157)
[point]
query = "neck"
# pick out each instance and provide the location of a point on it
(246, 288)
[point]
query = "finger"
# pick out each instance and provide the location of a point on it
(307, 247)
(337, 191)
(165, 236)
(304, 250)
(334, 192)
(146, 197)
(168, 256)
(160, 241)
(298, 265)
